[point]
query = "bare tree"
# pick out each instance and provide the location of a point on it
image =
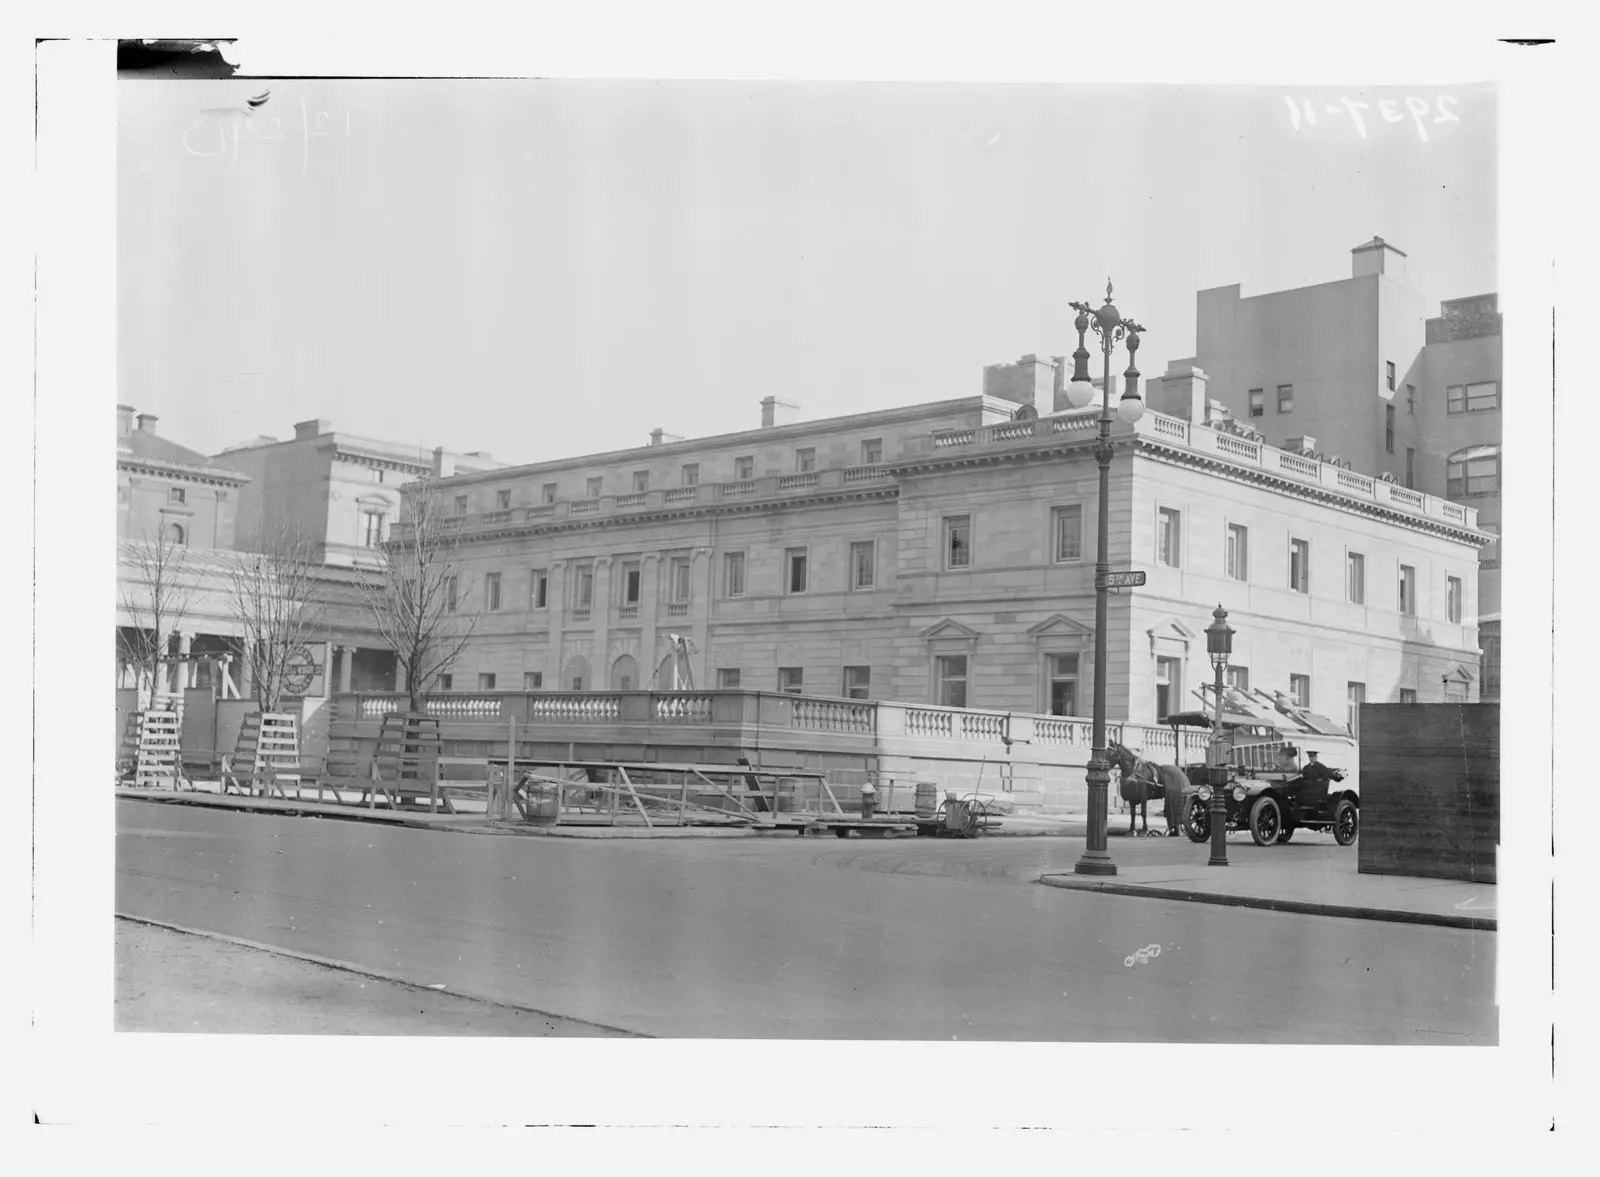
(270, 596)
(418, 599)
(156, 602)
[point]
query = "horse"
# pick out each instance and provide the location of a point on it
(1143, 782)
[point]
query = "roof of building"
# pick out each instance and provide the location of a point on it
(222, 561)
(143, 446)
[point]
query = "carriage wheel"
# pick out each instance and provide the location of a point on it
(1346, 821)
(1285, 834)
(1265, 821)
(1197, 821)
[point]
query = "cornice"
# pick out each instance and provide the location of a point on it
(203, 475)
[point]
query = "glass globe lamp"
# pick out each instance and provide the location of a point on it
(1080, 393)
(1130, 408)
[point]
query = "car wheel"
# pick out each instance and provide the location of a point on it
(1197, 821)
(1284, 835)
(1346, 820)
(1265, 821)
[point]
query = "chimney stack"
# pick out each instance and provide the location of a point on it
(778, 412)
(1029, 381)
(124, 421)
(659, 436)
(308, 429)
(1378, 257)
(1181, 392)
(147, 423)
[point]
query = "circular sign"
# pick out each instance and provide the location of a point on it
(299, 671)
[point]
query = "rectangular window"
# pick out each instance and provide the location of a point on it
(1408, 695)
(486, 682)
(177, 494)
(1411, 469)
(1472, 398)
(1168, 684)
(547, 493)
(950, 680)
(1238, 552)
(1355, 695)
(691, 474)
(1168, 522)
(678, 580)
(447, 682)
(585, 587)
(1388, 429)
(857, 682)
(1300, 565)
(461, 504)
(795, 562)
(592, 487)
(1239, 678)
(1300, 689)
(1063, 675)
(1473, 476)
(641, 481)
(958, 541)
(491, 590)
(791, 679)
(372, 528)
(631, 577)
(872, 451)
(1258, 402)
(805, 460)
(577, 682)
(1453, 598)
(1355, 578)
(733, 574)
(1389, 374)
(533, 680)
(1285, 398)
(728, 678)
(1411, 400)
(502, 500)
(1068, 532)
(744, 469)
(539, 589)
(863, 564)
(1408, 590)
(450, 595)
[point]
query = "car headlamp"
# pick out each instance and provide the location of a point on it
(1204, 792)
(1238, 792)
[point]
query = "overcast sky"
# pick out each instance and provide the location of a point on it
(538, 269)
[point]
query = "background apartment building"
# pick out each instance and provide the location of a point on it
(944, 554)
(1352, 369)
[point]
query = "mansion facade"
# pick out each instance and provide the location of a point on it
(944, 554)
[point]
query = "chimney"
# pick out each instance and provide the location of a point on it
(308, 429)
(1029, 381)
(1181, 392)
(444, 463)
(147, 423)
(124, 421)
(659, 436)
(777, 412)
(1378, 257)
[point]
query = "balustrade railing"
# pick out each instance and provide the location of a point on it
(581, 612)
(583, 507)
(835, 715)
(465, 706)
(677, 608)
(937, 724)
(681, 707)
(628, 612)
(636, 499)
(539, 511)
(864, 473)
(796, 481)
(574, 706)
(738, 490)
(681, 494)
(491, 518)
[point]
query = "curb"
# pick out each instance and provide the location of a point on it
(1473, 923)
(364, 971)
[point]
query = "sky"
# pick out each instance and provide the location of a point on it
(537, 269)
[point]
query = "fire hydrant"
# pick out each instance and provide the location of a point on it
(869, 802)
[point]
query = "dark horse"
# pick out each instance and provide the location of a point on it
(1143, 782)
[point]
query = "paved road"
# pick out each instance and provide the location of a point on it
(788, 937)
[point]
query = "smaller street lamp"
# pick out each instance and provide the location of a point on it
(1219, 644)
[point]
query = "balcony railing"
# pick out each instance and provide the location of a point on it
(630, 501)
(628, 612)
(677, 608)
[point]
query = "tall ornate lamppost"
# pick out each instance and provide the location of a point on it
(1112, 328)
(1219, 644)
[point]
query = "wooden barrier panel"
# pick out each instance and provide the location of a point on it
(1430, 790)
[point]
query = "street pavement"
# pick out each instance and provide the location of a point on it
(785, 937)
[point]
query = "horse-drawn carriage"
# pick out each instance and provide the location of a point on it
(1270, 791)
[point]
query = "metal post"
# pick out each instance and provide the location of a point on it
(1095, 859)
(1219, 782)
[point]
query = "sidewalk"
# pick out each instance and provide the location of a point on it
(475, 821)
(1313, 880)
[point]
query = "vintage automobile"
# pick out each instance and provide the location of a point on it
(1270, 791)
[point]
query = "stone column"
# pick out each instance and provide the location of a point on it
(649, 606)
(601, 615)
(346, 668)
(700, 614)
(184, 670)
(556, 603)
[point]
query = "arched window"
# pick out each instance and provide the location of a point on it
(175, 533)
(1473, 471)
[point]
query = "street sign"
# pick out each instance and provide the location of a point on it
(1124, 579)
